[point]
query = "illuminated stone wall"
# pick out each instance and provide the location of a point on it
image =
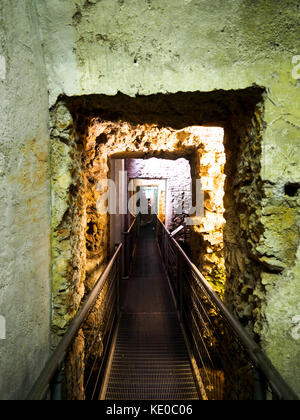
(208, 164)
(82, 147)
(69, 221)
(207, 241)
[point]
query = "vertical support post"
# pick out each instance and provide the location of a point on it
(125, 255)
(180, 284)
(57, 385)
(163, 246)
(259, 385)
(167, 251)
(138, 225)
(118, 283)
(157, 233)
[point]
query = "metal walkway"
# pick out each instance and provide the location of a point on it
(135, 337)
(150, 360)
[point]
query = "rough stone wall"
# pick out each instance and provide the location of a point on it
(24, 200)
(73, 384)
(79, 241)
(206, 164)
(207, 243)
(145, 47)
(246, 263)
(243, 230)
(68, 221)
(150, 47)
(123, 138)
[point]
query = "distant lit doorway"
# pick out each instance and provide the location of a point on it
(151, 194)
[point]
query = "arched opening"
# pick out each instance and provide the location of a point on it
(218, 133)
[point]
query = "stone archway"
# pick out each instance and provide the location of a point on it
(88, 131)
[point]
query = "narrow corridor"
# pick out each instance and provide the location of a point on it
(150, 359)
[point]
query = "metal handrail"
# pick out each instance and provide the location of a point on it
(261, 362)
(131, 226)
(42, 384)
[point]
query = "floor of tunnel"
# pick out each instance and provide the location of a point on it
(150, 360)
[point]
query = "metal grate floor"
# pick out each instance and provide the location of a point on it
(150, 359)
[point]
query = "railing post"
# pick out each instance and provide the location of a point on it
(129, 240)
(57, 385)
(180, 285)
(138, 225)
(167, 251)
(118, 284)
(259, 385)
(125, 256)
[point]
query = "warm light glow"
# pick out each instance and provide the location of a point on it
(213, 133)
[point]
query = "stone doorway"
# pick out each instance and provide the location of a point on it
(88, 133)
